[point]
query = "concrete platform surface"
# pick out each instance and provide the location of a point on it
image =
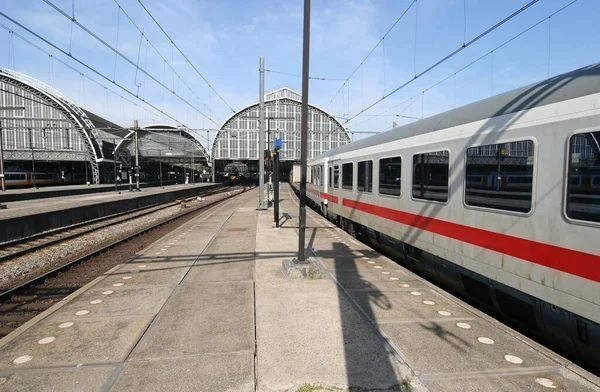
(38, 206)
(208, 308)
(26, 218)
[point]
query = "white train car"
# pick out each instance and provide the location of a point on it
(499, 200)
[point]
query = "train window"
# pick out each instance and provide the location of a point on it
(347, 172)
(500, 176)
(330, 177)
(583, 192)
(364, 181)
(336, 176)
(321, 174)
(15, 176)
(430, 176)
(390, 170)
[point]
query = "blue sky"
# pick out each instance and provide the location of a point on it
(224, 40)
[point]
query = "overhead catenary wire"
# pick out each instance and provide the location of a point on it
(148, 42)
(120, 54)
(371, 52)
(445, 58)
(299, 76)
(455, 73)
(185, 57)
(78, 61)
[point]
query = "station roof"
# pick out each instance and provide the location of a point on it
(166, 142)
(237, 138)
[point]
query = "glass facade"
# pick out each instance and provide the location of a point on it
(238, 137)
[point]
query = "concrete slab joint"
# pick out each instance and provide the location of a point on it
(310, 270)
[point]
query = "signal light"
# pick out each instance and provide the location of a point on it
(267, 155)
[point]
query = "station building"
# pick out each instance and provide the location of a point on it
(47, 139)
(236, 148)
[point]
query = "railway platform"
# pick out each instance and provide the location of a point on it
(208, 308)
(29, 217)
(46, 192)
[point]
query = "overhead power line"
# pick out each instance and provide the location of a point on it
(117, 52)
(79, 61)
(185, 57)
(445, 58)
(299, 76)
(157, 52)
(473, 62)
(371, 52)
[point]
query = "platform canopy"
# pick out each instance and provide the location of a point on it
(36, 118)
(237, 138)
(167, 143)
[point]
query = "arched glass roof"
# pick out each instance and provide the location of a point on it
(163, 141)
(237, 138)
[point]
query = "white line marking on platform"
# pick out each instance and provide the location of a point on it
(444, 313)
(463, 325)
(66, 325)
(417, 293)
(107, 292)
(82, 312)
(96, 301)
(429, 303)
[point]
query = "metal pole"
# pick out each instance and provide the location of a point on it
(214, 170)
(115, 165)
(2, 159)
(304, 131)
(261, 136)
(137, 162)
(160, 166)
(87, 182)
(276, 188)
(32, 157)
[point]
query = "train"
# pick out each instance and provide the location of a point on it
(24, 178)
(498, 200)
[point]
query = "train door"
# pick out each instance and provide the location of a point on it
(333, 187)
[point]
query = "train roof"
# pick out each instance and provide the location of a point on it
(574, 84)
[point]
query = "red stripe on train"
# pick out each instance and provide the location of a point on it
(322, 195)
(577, 263)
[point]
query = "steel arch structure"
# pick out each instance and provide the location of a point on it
(237, 138)
(73, 118)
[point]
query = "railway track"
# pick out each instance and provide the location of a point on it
(20, 247)
(26, 300)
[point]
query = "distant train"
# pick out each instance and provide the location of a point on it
(24, 178)
(498, 200)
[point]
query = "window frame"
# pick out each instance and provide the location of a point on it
(372, 175)
(412, 173)
(336, 185)
(533, 173)
(379, 173)
(566, 178)
(342, 176)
